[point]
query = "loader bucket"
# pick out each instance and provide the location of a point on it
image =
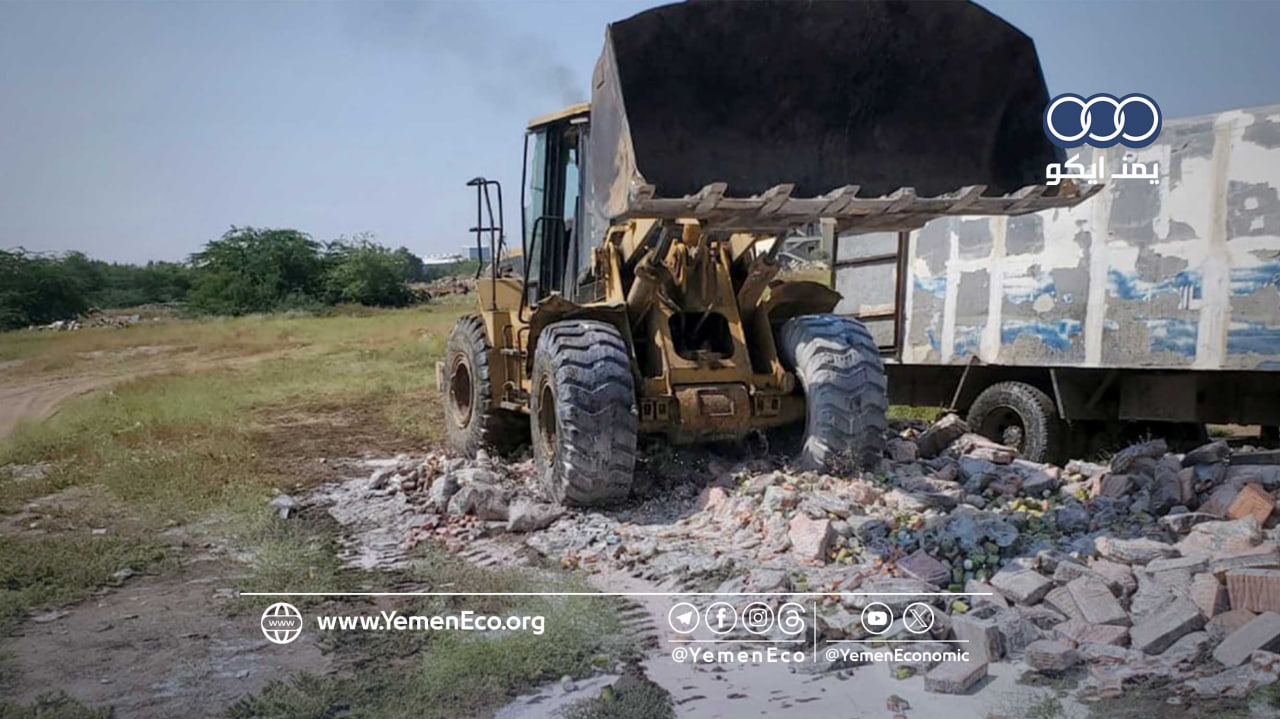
(735, 98)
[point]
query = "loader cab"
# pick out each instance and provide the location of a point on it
(551, 192)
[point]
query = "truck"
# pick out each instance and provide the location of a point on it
(1150, 307)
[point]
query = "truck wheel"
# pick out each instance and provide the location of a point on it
(583, 413)
(844, 386)
(472, 417)
(1020, 416)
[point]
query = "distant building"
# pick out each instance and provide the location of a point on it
(439, 260)
(478, 253)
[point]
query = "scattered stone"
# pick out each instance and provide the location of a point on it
(1253, 501)
(1133, 551)
(1209, 595)
(940, 435)
(1059, 599)
(1125, 458)
(1016, 629)
(1051, 655)
(1260, 557)
(1096, 603)
(1113, 486)
(1072, 518)
(526, 516)
(1037, 478)
(1160, 631)
(901, 450)
(975, 446)
(1191, 649)
(442, 490)
(868, 529)
(831, 504)
(1078, 631)
(1257, 590)
(1220, 501)
(1227, 622)
(1263, 632)
(1185, 565)
(1182, 523)
(1222, 537)
(481, 499)
(1119, 577)
(810, 538)
(1234, 682)
(1024, 586)
(380, 477)
(924, 567)
(1085, 469)
(986, 643)
(777, 499)
(1216, 451)
(986, 593)
(955, 677)
(759, 483)
(284, 505)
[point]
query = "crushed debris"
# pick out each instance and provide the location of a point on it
(1155, 564)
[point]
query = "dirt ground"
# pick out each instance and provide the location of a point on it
(158, 647)
(38, 400)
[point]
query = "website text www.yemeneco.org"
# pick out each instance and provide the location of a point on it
(466, 621)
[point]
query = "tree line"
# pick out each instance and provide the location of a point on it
(247, 270)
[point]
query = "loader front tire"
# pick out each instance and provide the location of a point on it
(583, 413)
(839, 367)
(473, 418)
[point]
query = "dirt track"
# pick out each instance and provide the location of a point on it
(41, 399)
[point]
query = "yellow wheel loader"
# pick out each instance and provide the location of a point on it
(647, 300)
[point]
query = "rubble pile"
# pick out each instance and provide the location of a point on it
(443, 287)
(1156, 564)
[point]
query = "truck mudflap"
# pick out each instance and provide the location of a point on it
(899, 210)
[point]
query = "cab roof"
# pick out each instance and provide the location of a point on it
(572, 111)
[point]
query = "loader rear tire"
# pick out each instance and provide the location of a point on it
(473, 418)
(843, 378)
(583, 413)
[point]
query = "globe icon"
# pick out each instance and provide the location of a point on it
(281, 623)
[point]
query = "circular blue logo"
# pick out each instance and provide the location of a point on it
(1102, 120)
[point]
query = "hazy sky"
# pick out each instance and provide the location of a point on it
(140, 130)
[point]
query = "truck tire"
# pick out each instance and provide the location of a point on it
(839, 367)
(583, 413)
(1020, 416)
(472, 418)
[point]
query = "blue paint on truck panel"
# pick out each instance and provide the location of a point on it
(1170, 334)
(967, 339)
(1025, 288)
(1247, 280)
(936, 286)
(1132, 287)
(1255, 337)
(1056, 336)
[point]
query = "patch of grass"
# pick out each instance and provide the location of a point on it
(305, 696)
(52, 706)
(628, 698)
(211, 443)
(47, 570)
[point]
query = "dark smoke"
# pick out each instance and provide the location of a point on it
(500, 62)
